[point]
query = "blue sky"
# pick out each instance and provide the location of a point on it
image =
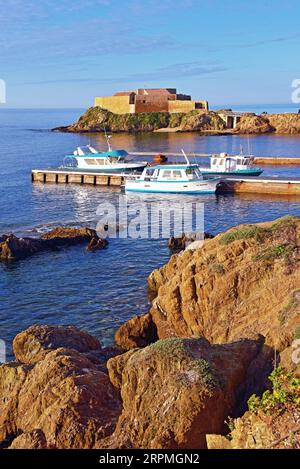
(62, 54)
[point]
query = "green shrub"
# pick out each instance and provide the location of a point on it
(285, 391)
(275, 252)
(246, 232)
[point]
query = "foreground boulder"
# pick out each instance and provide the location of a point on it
(62, 392)
(13, 248)
(244, 281)
(176, 391)
(33, 344)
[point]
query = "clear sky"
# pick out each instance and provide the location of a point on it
(63, 53)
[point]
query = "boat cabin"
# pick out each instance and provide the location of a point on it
(228, 163)
(171, 173)
(89, 157)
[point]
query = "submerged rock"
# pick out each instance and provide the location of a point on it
(14, 248)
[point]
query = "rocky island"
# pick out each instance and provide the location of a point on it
(213, 364)
(97, 119)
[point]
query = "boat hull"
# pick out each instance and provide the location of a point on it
(173, 187)
(249, 172)
(108, 169)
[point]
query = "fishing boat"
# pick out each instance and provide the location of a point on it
(88, 158)
(231, 165)
(174, 178)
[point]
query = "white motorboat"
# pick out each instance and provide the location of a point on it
(173, 178)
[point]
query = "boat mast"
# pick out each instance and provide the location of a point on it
(185, 157)
(107, 138)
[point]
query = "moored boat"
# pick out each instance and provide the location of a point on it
(231, 165)
(174, 178)
(88, 158)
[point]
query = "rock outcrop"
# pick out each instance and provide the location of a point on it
(136, 332)
(33, 344)
(14, 248)
(266, 123)
(96, 119)
(242, 282)
(31, 440)
(285, 123)
(62, 393)
(176, 391)
(253, 124)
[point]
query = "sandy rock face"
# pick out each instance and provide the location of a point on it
(285, 123)
(137, 332)
(66, 397)
(12, 378)
(242, 282)
(253, 124)
(33, 344)
(176, 391)
(32, 440)
(63, 392)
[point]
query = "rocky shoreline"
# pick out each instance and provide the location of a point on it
(197, 371)
(96, 119)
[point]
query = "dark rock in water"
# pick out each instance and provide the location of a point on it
(64, 235)
(159, 158)
(96, 243)
(13, 248)
(18, 248)
(181, 242)
(139, 331)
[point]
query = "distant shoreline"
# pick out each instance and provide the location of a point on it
(96, 119)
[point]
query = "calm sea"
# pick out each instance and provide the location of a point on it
(99, 291)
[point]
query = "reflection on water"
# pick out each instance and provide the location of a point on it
(98, 291)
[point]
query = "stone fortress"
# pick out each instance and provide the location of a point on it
(150, 100)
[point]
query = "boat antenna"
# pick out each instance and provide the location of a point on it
(107, 138)
(185, 157)
(249, 152)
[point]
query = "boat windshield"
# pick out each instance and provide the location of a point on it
(193, 173)
(116, 159)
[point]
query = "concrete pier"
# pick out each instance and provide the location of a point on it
(259, 185)
(259, 160)
(63, 176)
